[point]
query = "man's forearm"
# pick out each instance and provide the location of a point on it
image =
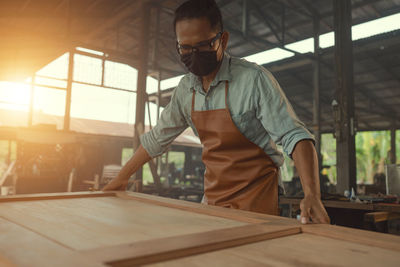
(306, 162)
(138, 160)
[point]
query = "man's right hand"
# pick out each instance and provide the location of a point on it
(117, 184)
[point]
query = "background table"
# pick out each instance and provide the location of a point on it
(372, 216)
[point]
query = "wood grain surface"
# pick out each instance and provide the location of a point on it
(87, 223)
(295, 250)
(364, 237)
(234, 214)
(48, 196)
(128, 229)
(22, 247)
(179, 246)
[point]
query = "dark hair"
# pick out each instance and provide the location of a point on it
(200, 9)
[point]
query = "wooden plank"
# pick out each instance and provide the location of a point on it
(48, 196)
(293, 250)
(347, 205)
(332, 204)
(391, 207)
(369, 238)
(181, 246)
(156, 177)
(88, 223)
(380, 216)
(125, 229)
(21, 247)
(233, 214)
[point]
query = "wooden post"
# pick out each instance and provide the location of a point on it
(245, 17)
(141, 87)
(30, 120)
(316, 85)
(393, 145)
(345, 137)
(9, 152)
(103, 65)
(283, 23)
(158, 114)
(158, 94)
(155, 62)
(67, 116)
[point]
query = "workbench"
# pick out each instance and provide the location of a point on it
(128, 229)
(348, 205)
(352, 214)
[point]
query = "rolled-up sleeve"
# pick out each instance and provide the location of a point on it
(277, 115)
(170, 124)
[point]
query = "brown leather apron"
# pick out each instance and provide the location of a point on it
(239, 174)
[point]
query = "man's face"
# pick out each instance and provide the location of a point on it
(191, 32)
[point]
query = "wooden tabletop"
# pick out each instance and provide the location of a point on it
(129, 229)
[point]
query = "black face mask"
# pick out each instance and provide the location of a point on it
(201, 63)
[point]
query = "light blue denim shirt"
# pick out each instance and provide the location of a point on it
(258, 106)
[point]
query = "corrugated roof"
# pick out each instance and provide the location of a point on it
(35, 32)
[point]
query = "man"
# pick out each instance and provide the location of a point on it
(239, 112)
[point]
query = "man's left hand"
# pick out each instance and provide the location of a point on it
(313, 211)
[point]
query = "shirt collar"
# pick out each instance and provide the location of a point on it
(223, 74)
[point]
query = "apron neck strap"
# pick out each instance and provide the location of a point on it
(226, 96)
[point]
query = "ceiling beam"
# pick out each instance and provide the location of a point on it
(127, 10)
(265, 19)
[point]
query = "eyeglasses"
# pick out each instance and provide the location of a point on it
(201, 46)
